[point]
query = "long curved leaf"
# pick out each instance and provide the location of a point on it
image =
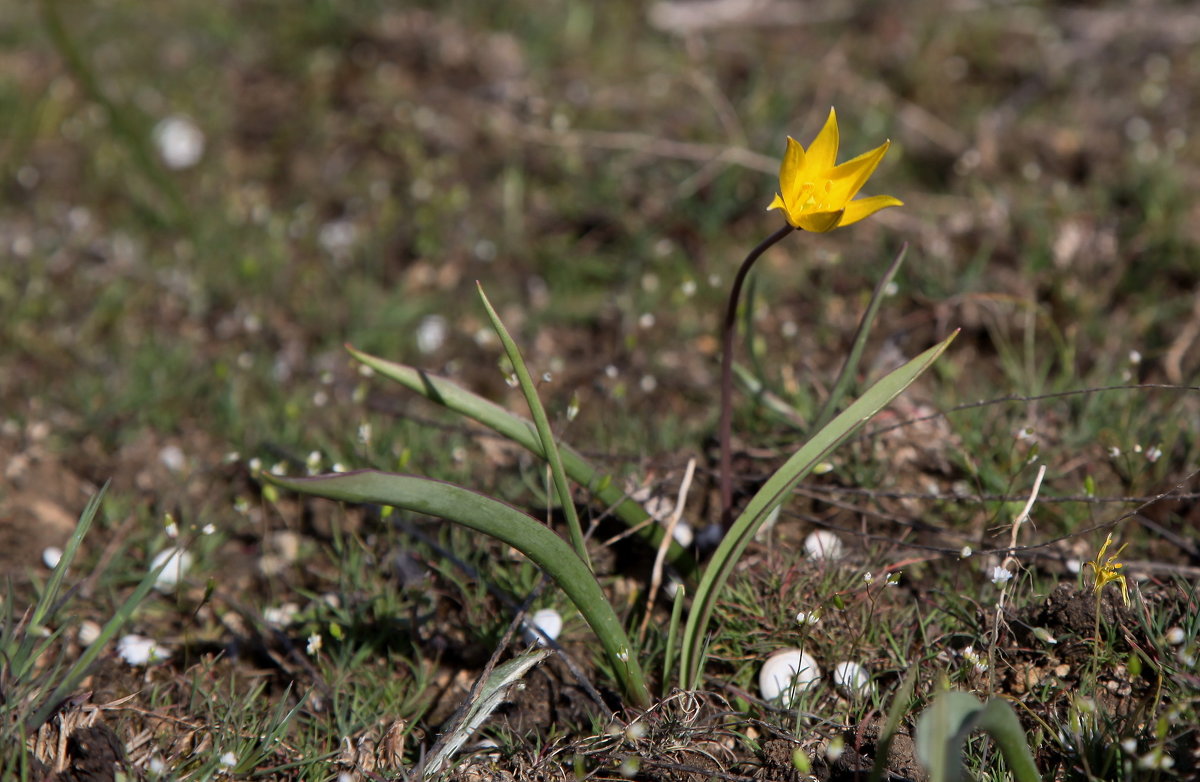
(773, 493)
(503, 522)
(521, 431)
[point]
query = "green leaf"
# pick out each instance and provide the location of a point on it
(776, 490)
(521, 431)
(951, 718)
(503, 522)
(542, 425)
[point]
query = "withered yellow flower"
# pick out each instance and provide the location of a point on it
(1109, 570)
(816, 194)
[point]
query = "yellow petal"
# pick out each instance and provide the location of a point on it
(865, 207)
(822, 153)
(849, 177)
(790, 171)
(777, 203)
(819, 222)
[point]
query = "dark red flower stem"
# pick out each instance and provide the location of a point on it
(727, 332)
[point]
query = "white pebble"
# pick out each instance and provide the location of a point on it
(178, 562)
(852, 678)
(548, 621)
(180, 143)
(431, 334)
(140, 650)
(787, 671)
(51, 556)
(823, 544)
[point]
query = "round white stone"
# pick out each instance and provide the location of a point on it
(852, 678)
(178, 561)
(823, 544)
(548, 621)
(787, 671)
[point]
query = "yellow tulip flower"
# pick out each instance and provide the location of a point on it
(815, 193)
(1109, 570)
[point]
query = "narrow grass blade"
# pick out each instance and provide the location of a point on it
(24, 656)
(542, 424)
(79, 670)
(503, 522)
(521, 431)
(672, 637)
(776, 489)
(850, 368)
(491, 695)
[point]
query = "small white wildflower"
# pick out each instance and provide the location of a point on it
(648, 383)
(974, 659)
(573, 407)
(337, 467)
(1026, 434)
(1175, 636)
(241, 505)
(1114, 452)
(140, 650)
(636, 731)
(1186, 656)
(170, 527)
(1044, 635)
(966, 552)
(1135, 357)
(364, 433)
(893, 578)
(1000, 575)
(684, 534)
(366, 371)
(806, 618)
(279, 468)
(1137, 447)
(229, 760)
(1154, 454)
(611, 372)
(177, 562)
(208, 529)
(180, 143)
(1157, 760)
(313, 462)
(51, 555)
(1074, 565)
(623, 654)
(1129, 745)
(281, 616)
(156, 765)
(314, 644)
(512, 381)
(255, 464)
(868, 578)
(688, 288)
(646, 321)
